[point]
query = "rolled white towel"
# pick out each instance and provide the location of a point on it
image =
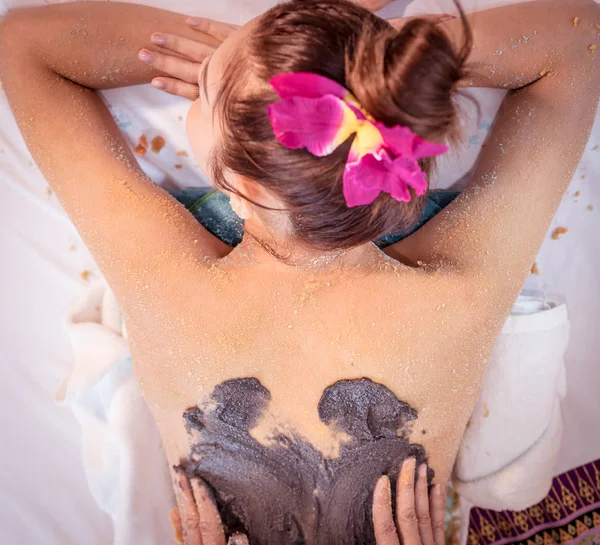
(509, 450)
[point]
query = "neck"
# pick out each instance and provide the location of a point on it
(265, 248)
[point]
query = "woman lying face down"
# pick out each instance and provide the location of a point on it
(293, 371)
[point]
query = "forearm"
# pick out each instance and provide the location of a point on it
(81, 151)
(515, 45)
(94, 44)
(491, 234)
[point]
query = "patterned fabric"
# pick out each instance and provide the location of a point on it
(570, 513)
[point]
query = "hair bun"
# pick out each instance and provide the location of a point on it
(408, 77)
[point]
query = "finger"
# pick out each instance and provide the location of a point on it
(422, 507)
(216, 29)
(238, 539)
(190, 520)
(374, 5)
(211, 527)
(398, 22)
(173, 66)
(177, 87)
(435, 19)
(437, 509)
(406, 517)
(193, 49)
(176, 523)
(383, 518)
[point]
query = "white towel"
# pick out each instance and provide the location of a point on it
(509, 450)
(124, 461)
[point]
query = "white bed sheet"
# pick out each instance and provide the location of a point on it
(43, 493)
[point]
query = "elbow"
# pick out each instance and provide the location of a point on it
(579, 47)
(9, 27)
(6, 38)
(15, 31)
(588, 46)
(15, 39)
(585, 22)
(8, 43)
(6, 34)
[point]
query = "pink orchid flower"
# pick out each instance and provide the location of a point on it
(318, 114)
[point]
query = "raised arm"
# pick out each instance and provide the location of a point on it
(52, 59)
(492, 233)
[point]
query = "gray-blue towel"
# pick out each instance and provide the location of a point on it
(212, 209)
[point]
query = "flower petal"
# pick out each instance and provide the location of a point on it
(320, 125)
(404, 142)
(423, 148)
(368, 140)
(398, 139)
(307, 85)
(407, 173)
(365, 180)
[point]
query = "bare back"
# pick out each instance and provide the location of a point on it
(298, 331)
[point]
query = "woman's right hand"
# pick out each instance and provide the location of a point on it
(180, 58)
(419, 513)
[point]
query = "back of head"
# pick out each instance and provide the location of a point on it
(405, 77)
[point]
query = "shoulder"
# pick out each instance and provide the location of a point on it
(438, 297)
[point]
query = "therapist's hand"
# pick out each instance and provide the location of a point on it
(419, 516)
(181, 58)
(196, 519)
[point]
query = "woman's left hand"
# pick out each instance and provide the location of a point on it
(196, 519)
(181, 58)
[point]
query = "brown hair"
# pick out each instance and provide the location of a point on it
(405, 77)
